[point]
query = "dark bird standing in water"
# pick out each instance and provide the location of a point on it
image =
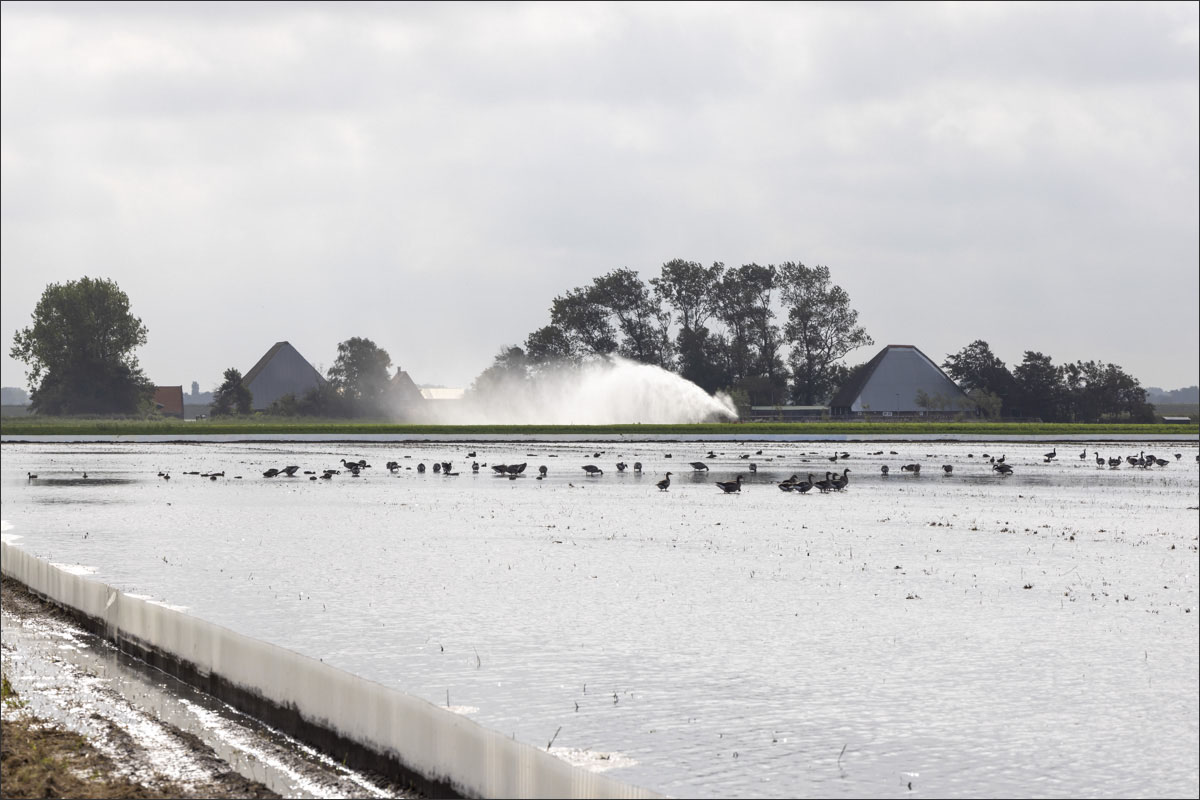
(664, 483)
(592, 469)
(730, 486)
(699, 465)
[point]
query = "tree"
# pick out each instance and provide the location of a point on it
(690, 289)
(549, 345)
(509, 370)
(640, 317)
(822, 329)
(976, 367)
(231, 397)
(360, 376)
(79, 351)
(1097, 391)
(1040, 390)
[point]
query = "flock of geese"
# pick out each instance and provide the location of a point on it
(832, 481)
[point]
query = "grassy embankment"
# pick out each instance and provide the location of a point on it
(37, 426)
(40, 760)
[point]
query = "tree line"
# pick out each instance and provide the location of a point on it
(716, 326)
(1083, 391)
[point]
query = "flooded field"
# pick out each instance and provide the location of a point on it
(943, 634)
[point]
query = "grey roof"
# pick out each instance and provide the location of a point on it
(891, 380)
(281, 370)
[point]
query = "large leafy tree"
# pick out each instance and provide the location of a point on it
(743, 305)
(509, 370)
(821, 327)
(639, 316)
(1040, 388)
(231, 397)
(983, 375)
(80, 350)
(689, 288)
(359, 375)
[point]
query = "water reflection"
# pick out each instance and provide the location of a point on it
(909, 618)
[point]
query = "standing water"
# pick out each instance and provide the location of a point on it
(958, 633)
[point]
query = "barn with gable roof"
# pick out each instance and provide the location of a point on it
(281, 370)
(895, 382)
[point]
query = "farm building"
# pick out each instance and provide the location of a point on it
(168, 401)
(404, 389)
(900, 380)
(281, 370)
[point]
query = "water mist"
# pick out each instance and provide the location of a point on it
(610, 392)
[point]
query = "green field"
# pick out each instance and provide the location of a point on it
(34, 426)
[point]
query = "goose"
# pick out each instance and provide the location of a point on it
(289, 471)
(392, 466)
(1099, 459)
(271, 473)
(699, 465)
(804, 486)
(516, 469)
(753, 467)
(947, 468)
(730, 486)
(745, 455)
(884, 470)
(445, 466)
(436, 467)
(1114, 463)
(31, 476)
(1053, 454)
(1083, 455)
(840, 483)
(637, 467)
(327, 476)
(474, 466)
(471, 454)
(420, 467)
(664, 483)
(621, 466)
(826, 484)
(711, 454)
(592, 469)
(1162, 462)
(542, 470)
(361, 464)
(833, 457)
(1003, 469)
(1000, 460)
(1178, 456)
(500, 469)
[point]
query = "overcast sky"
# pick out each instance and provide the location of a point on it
(430, 176)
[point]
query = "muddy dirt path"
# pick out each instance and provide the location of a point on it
(155, 730)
